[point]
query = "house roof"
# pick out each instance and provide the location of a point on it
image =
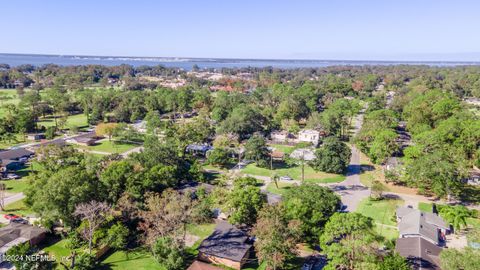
(15, 153)
(226, 242)
(199, 147)
(16, 230)
(415, 222)
(307, 154)
(194, 186)
(197, 265)
(420, 252)
(277, 154)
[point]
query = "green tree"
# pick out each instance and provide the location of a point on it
(312, 205)
(117, 236)
(168, 253)
(275, 237)
(349, 241)
(394, 261)
(256, 150)
(244, 204)
(456, 215)
(218, 157)
(332, 157)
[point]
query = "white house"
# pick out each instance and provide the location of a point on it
(303, 153)
(309, 135)
(281, 136)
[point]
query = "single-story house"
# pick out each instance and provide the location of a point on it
(16, 233)
(35, 136)
(309, 135)
(227, 245)
(198, 265)
(415, 223)
(420, 253)
(14, 159)
(198, 149)
(282, 136)
(392, 164)
(303, 153)
(86, 139)
(277, 155)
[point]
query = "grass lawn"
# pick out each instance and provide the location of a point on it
(282, 188)
(7, 96)
(137, 259)
(382, 211)
(58, 249)
(15, 185)
(77, 120)
(202, 230)
(425, 207)
(388, 232)
(295, 172)
(17, 207)
(111, 146)
(287, 149)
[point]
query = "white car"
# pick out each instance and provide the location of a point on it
(286, 178)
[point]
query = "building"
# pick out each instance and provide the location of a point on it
(14, 159)
(429, 226)
(198, 265)
(282, 136)
(86, 139)
(303, 153)
(35, 136)
(420, 253)
(198, 149)
(277, 155)
(309, 135)
(16, 233)
(473, 177)
(226, 246)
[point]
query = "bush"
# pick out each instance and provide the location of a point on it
(168, 253)
(50, 133)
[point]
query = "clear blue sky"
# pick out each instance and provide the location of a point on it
(301, 29)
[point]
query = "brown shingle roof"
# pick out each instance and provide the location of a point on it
(421, 253)
(197, 265)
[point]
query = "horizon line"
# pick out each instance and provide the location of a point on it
(235, 58)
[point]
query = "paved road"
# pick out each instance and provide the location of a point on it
(13, 198)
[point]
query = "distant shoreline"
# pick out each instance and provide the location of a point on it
(187, 63)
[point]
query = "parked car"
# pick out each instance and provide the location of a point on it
(12, 176)
(19, 220)
(286, 178)
(10, 216)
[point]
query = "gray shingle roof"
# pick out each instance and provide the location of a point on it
(421, 253)
(226, 242)
(15, 154)
(414, 222)
(16, 230)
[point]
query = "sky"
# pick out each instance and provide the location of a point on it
(282, 29)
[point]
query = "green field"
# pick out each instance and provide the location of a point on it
(15, 185)
(311, 176)
(282, 188)
(287, 149)
(201, 230)
(58, 249)
(382, 211)
(18, 208)
(7, 96)
(110, 146)
(425, 207)
(77, 120)
(138, 259)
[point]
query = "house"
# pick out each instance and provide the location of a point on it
(392, 164)
(35, 136)
(309, 135)
(282, 136)
(16, 233)
(420, 253)
(140, 126)
(277, 155)
(14, 159)
(473, 177)
(198, 265)
(198, 149)
(226, 246)
(429, 226)
(303, 153)
(85, 139)
(193, 187)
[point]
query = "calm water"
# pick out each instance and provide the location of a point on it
(187, 63)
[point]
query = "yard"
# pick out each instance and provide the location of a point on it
(18, 208)
(15, 185)
(76, 120)
(311, 176)
(137, 259)
(110, 146)
(282, 188)
(287, 149)
(382, 211)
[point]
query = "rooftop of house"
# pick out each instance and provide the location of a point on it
(198, 147)
(305, 153)
(14, 231)
(309, 132)
(226, 242)
(415, 222)
(194, 186)
(15, 154)
(421, 253)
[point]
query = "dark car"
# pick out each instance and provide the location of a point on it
(19, 220)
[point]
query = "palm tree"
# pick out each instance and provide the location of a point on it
(456, 215)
